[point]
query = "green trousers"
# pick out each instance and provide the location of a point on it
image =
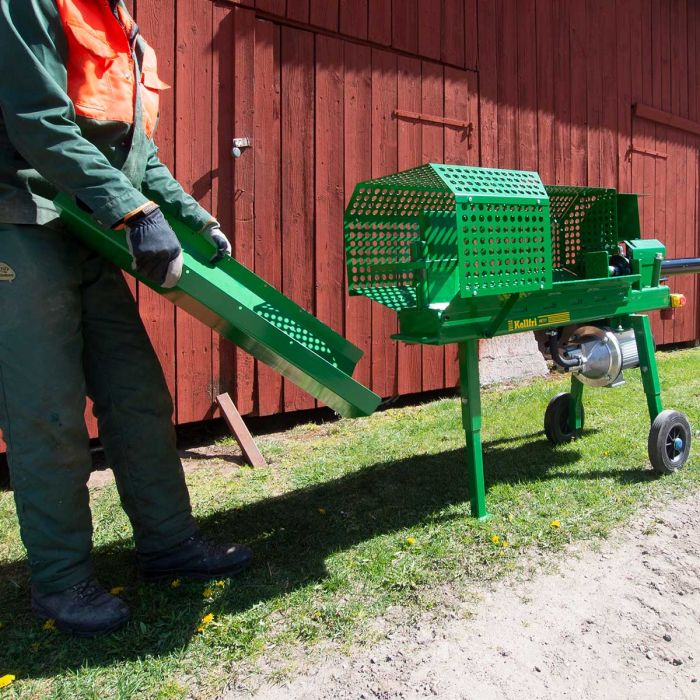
(69, 328)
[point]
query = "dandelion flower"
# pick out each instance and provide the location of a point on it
(176, 583)
(410, 540)
(49, 625)
(495, 539)
(205, 621)
(322, 511)
(207, 593)
(6, 680)
(117, 590)
(220, 584)
(505, 544)
(555, 523)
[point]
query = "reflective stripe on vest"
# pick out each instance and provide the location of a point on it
(100, 66)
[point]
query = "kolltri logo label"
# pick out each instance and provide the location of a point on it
(7, 274)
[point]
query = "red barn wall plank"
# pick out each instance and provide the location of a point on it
(405, 27)
(298, 10)
(353, 18)
(268, 233)
(379, 23)
(223, 354)
(193, 114)
(324, 13)
(157, 22)
(244, 182)
(453, 49)
(330, 204)
(384, 161)
(409, 156)
(433, 89)
(358, 168)
(298, 277)
(430, 32)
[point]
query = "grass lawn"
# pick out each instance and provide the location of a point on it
(351, 517)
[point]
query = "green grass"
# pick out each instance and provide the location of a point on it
(330, 523)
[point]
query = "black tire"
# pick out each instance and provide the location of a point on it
(556, 420)
(669, 442)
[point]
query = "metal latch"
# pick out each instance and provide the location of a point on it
(239, 145)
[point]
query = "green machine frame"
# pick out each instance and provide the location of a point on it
(465, 253)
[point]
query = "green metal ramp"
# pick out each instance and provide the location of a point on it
(246, 310)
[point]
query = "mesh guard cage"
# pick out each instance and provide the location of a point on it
(504, 234)
(499, 222)
(584, 219)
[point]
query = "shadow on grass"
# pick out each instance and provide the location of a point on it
(291, 540)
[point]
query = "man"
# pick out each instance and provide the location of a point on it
(79, 105)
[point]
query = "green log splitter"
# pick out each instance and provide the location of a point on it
(463, 253)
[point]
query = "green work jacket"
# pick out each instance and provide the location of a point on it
(46, 148)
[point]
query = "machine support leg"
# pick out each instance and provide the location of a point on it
(471, 419)
(647, 363)
(576, 408)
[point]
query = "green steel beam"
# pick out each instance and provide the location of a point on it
(471, 419)
(647, 363)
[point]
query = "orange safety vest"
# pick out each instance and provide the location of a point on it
(101, 73)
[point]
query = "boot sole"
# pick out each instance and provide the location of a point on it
(165, 576)
(44, 615)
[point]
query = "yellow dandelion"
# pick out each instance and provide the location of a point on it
(176, 583)
(117, 590)
(606, 453)
(555, 523)
(6, 680)
(322, 511)
(35, 646)
(495, 539)
(220, 584)
(410, 540)
(505, 543)
(49, 625)
(205, 621)
(207, 593)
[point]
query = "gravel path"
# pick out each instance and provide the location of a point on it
(620, 622)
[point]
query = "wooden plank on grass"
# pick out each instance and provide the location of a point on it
(240, 431)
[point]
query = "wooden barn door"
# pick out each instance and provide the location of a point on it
(665, 170)
(324, 113)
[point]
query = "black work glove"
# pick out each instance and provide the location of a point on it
(213, 233)
(154, 247)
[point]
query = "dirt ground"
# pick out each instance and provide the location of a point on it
(618, 621)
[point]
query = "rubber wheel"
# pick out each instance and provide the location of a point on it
(556, 420)
(669, 442)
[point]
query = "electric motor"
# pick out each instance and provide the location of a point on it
(603, 354)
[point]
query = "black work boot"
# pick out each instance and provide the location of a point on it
(86, 609)
(195, 558)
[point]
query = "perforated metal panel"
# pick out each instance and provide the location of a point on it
(381, 224)
(504, 248)
(584, 219)
(428, 234)
(505, 185)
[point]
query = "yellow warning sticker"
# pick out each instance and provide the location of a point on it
(7, 274)
(558, 319)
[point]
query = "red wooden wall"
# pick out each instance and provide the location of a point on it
(548, 85)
